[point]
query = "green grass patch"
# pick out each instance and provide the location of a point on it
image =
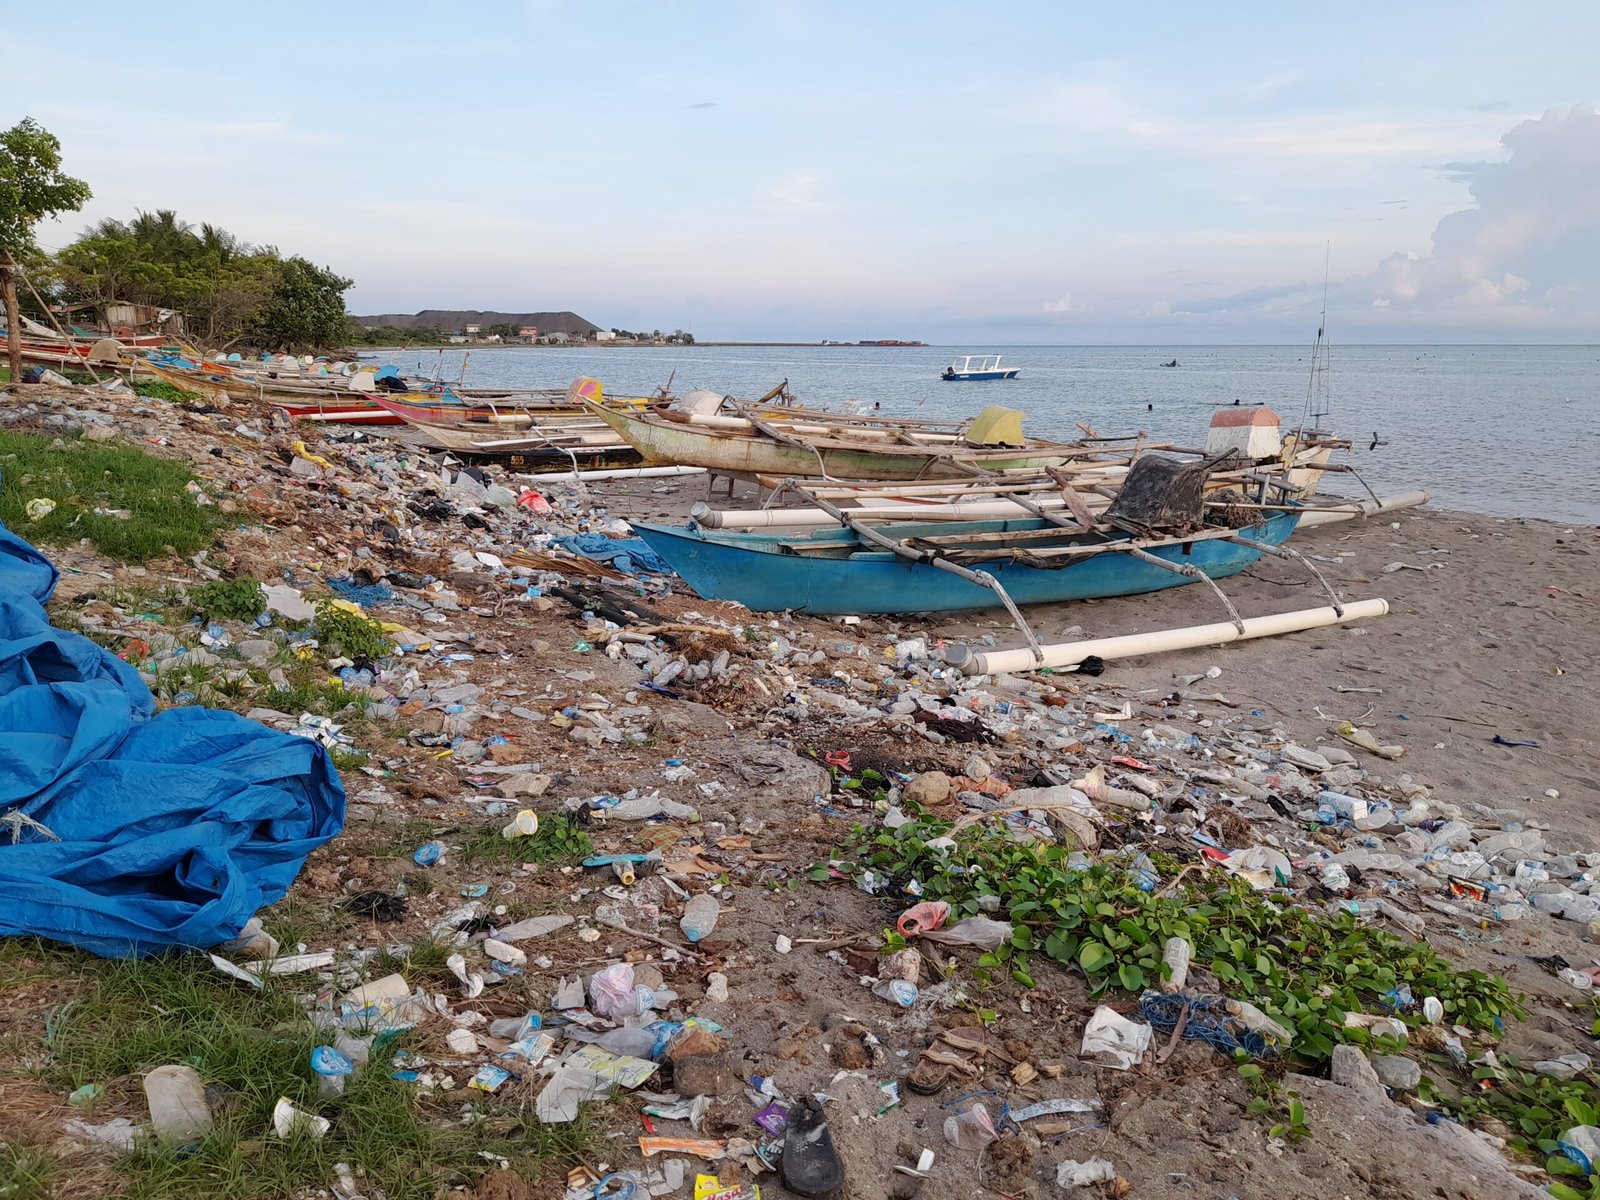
(25, 1173)
(293, 920)
(350, 633)
(560, 840)
(420, 962)
(82, 477)
(234, 599)
(311, 689)
(252, 1047)
(1537, 1109)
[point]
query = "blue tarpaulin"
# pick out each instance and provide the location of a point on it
(628, 555)
(170, 829)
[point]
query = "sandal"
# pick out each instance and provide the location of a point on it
(811, 1165)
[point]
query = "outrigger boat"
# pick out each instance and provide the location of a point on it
(978, 366)
(1250, 439)
(708, 430)
(1161, 531)
(841, 571)
(446, 409)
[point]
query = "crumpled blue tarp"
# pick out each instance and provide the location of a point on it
(628, 555)
(174, 829)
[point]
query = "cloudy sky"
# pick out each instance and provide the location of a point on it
(1021, 173)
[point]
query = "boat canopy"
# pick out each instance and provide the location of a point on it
(699, 402)
(969, 363)
(995, 426)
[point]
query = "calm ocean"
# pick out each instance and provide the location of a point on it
(1507, 430)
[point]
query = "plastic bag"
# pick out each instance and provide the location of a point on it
(981, 932)
(920, 918)
(612, 993)
(971, 1130)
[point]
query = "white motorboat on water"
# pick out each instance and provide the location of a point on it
(978, 366)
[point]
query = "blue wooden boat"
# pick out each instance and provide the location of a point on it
(978, 366)
(838, 571)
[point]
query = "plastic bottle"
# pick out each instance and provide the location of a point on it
(1176, 955)
(1257, 1021)
(700, 917)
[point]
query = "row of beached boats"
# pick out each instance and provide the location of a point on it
(870, 514)
(875, 515)
(865, 513)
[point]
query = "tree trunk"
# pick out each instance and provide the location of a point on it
(8, 284)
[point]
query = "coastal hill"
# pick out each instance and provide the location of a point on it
(455, 319)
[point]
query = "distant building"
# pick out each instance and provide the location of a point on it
(604, 335)
(473, 330)
(458, 339)
(528, 331)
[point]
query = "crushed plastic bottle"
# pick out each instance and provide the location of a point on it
(700, 917)
(1176, 955)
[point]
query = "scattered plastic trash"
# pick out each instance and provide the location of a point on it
(289, 1121)
(1111, 1040)
(699, 919)
(179, 1112)
(970, 1130)
(428, 854)
(1075, 1174)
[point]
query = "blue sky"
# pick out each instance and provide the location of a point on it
(1020, 173)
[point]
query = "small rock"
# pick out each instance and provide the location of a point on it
(99, 433)
(522, 785)
(1397, 1072)
(929, 788)
(1351, 1068)
(717, 987)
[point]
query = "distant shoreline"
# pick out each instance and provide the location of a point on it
(476, 346)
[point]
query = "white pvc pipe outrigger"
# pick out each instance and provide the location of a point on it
(1071, 654)
(615, 473)
(988, 509)
(1363, 508)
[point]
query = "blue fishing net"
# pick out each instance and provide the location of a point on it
(365, 595)
(1209, 1021)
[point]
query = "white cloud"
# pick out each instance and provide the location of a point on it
(800, 189)
(1064, 304)
(1526, 253)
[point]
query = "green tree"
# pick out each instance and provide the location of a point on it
(32, 188)
(306, 309)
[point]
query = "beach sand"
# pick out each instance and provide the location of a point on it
(1497, 633)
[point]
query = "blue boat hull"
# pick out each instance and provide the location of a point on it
(966, 376)
(758, 571)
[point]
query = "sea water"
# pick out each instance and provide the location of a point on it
(1505, 430)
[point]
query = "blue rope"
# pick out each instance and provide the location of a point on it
(1208, 1022)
